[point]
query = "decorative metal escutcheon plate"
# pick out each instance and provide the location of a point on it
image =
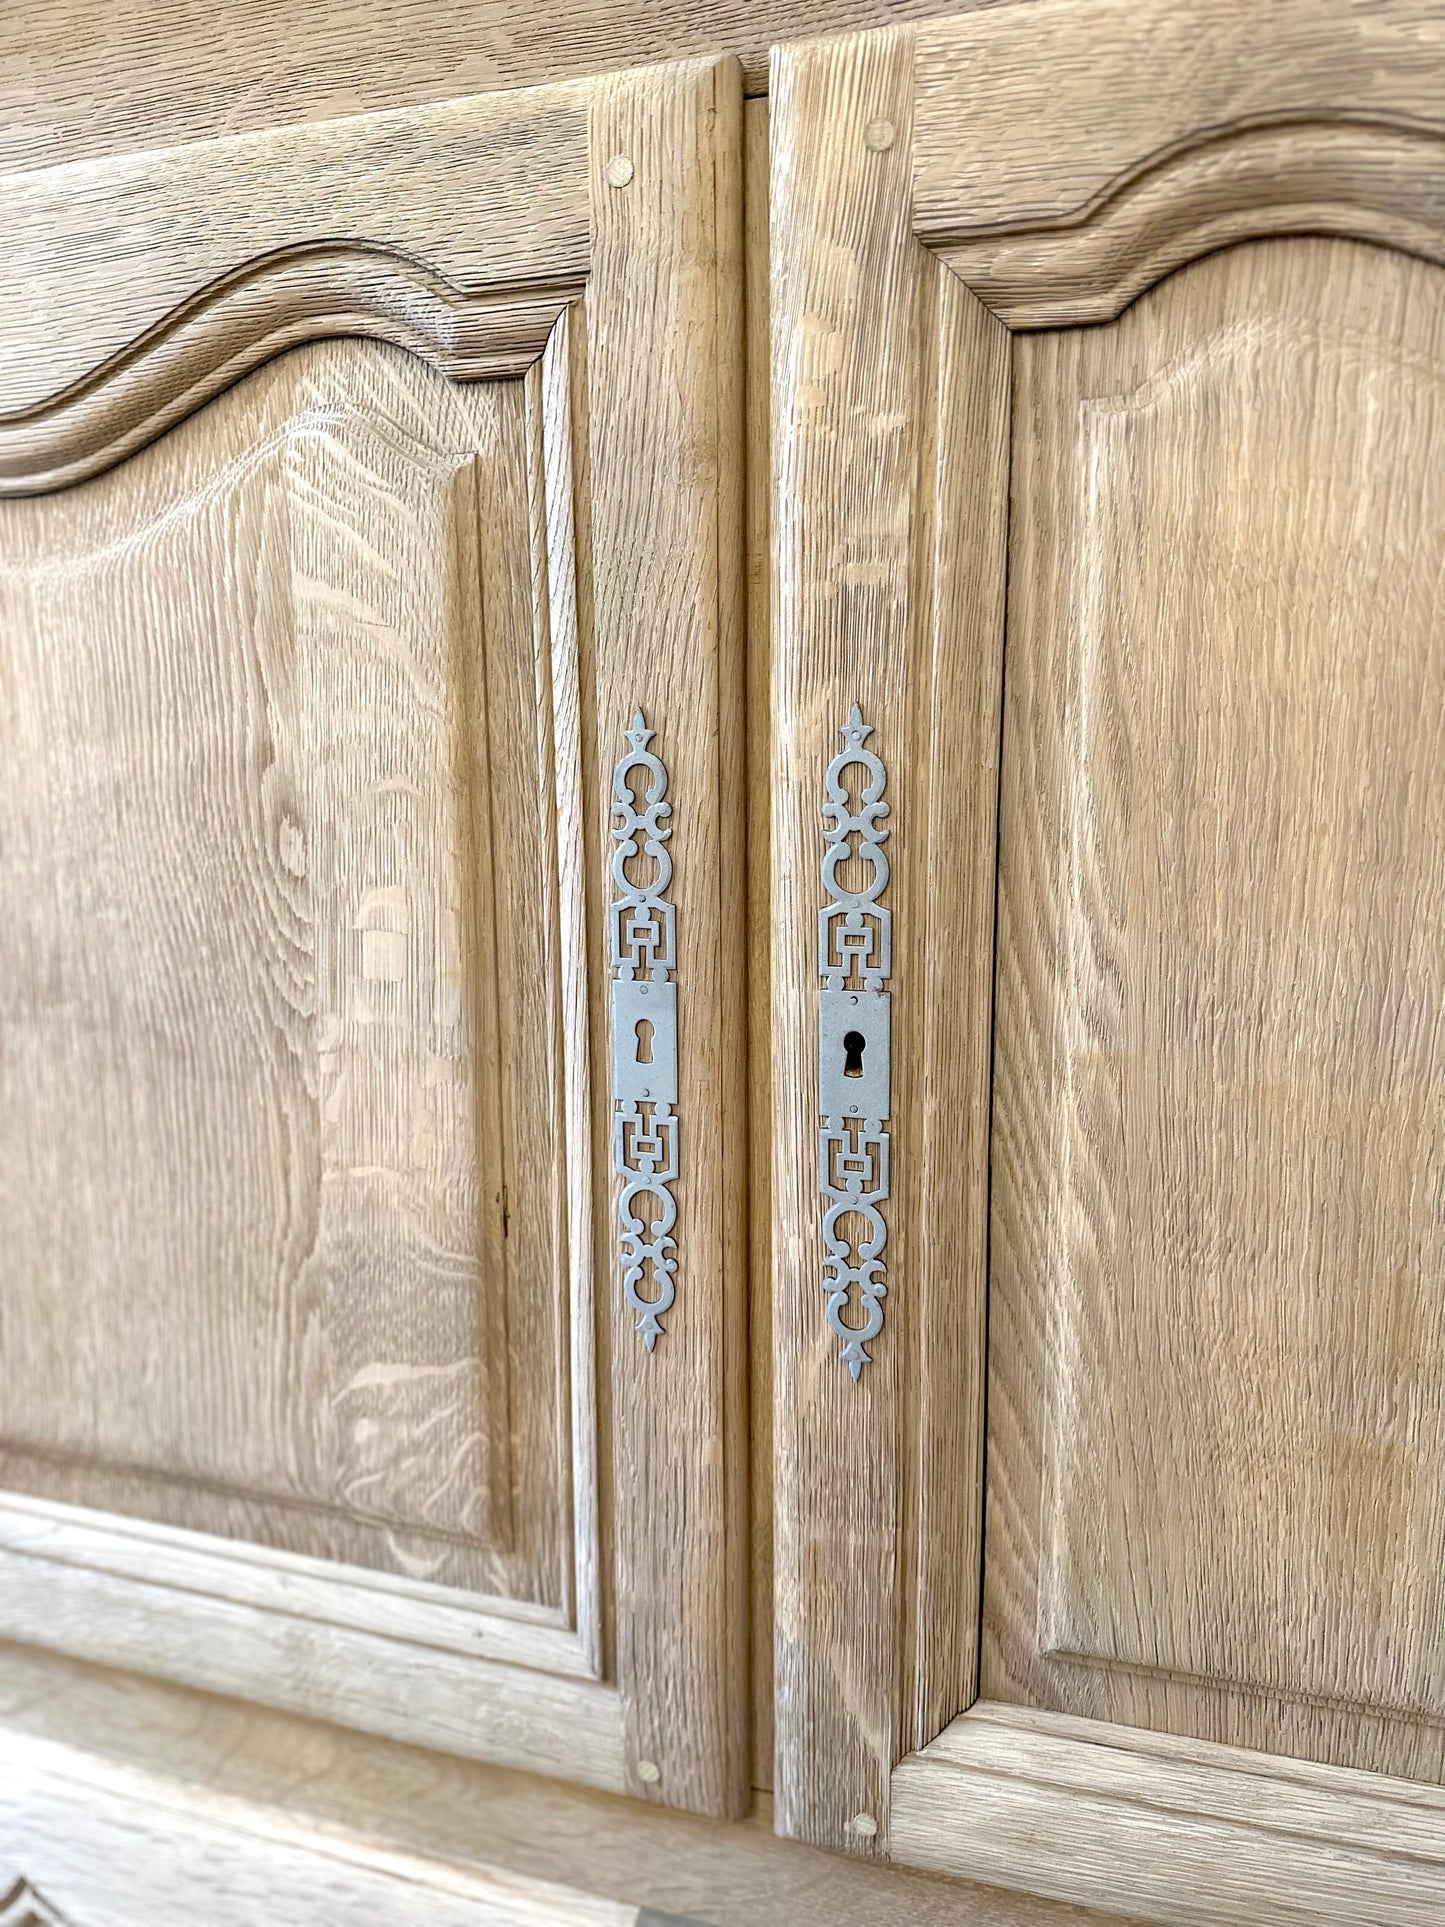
(644, 1033)
(855, 961)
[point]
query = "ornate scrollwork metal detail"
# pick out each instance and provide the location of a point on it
(644, 1034)
(855, 961)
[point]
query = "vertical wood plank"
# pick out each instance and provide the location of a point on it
(843, 270)
(760, 1136)
(960, 541)
(557, 416)
(890, 464)
(665, 329)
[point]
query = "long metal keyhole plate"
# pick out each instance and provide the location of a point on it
(855, 1095)
(644, 1033)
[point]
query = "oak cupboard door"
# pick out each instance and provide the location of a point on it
(1108, 379)
(364, 482)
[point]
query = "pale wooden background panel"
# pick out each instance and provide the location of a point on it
(203, 67)
(460, 1815)
(1217, 1412)
(277, 1026)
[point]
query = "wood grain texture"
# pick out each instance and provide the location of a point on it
(464, 1816)
(959, 544)
(665, 339)
(890, 394)
(560, 484)
(275, 856)
(77, 86)
(1372, 183)
(1216, 1419)
(101, 1843)
(1010, 138)
(176, 1563)
(506, 582)
(759, 812)
(1178, 1831)
(297, 1655)
(341, 1231)
(146, 285)
(843, 460)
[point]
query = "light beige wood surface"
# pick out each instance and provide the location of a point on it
(467, 1819)
(1060, 187)
(345, 492)
(87, 1840)
(889, 465)
(274, 1171)
(1040, 117)
(664, 343)
(1369, 182)
(435, 607)
(1180, 1831)
(245, 1626)
(1217, 1402)
(1212, 1508)
(758, 561)
(148, 284)
(840, 422)
(77, 84)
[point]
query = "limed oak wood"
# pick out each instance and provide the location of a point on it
(758, 561)
(842, 433)
(1217, 1406)
(275, 840)
(889, 463)
(77, 85)
(146, 285)
(599, 569)
(1068, 157)
(664, 307)
(461, 1817)
(1031, 118)
(100, 1841)
(1376, 183)
(1182, 1832)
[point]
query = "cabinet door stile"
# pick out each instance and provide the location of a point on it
(888, 532)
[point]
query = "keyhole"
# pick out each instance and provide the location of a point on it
(853, 1043)
(644, 1040)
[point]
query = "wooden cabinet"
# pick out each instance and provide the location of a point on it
(369, 482)
(938, 581)
(1108, 366)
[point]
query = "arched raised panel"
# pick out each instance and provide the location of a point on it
(145, 285)
(1370, 182)
(365, 479)
(290, 961)
(1107, 376)
(1217, 1372)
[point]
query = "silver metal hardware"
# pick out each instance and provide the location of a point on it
(644, 1034)
(853, 1040)
(644, 1041)
(855, 960)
